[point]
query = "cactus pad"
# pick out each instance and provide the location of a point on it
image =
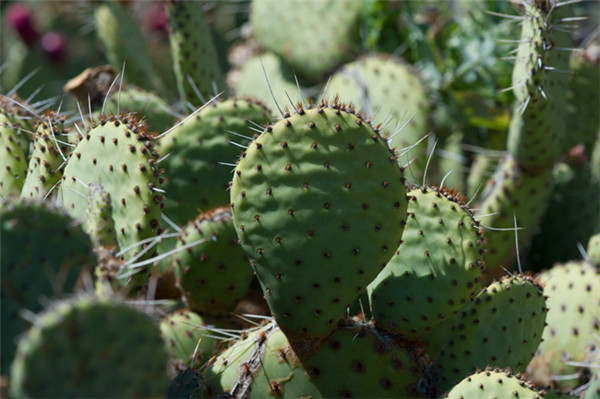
(214, 274)
(195, 174)
(511, 312)
(391, 91)
(494, 384)
(436, 269)
(44, 252)
(319, 202)
(193, 51)
(89, 347)
(312, 36)
(260, 365)
(511, 193)
(573, 291)
(50, 149)
(185, 339)
(118, 154)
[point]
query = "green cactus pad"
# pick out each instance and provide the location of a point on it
(312, 36)
(373, 365)
(99, 222)
(593, 389)
(185, 385)
(538, 126)
(390, 90)
(13, 157)
(186, 342)
(252, 82)
(576, 198)
(50, 149)
(89, 347)
(15, 113)
(573, 291)
(319, 202)
(494, 384)
(214, 274)
(155, 111)
(260, 365)
(502, 327)
(193, 50)
(197, 174)
(583, 100)
(44, 252)
(593, 249)
(124, 44)
(435, 271)
(118, 154)
(511, 193)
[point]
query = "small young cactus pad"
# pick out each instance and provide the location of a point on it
(187, 342)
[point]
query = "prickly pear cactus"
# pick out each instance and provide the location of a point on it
(50, 151)
(435, 271)
(502, 327)
(576, 198)
(260, 364)
(265, 363)
(187, 342)
(375, 365)
(494, 383)
(319, 203)
(537, 130)
(124, 45)
(13, 155)
(118, 154)
(312, 37)
(99, 222)
(593, 249)
(194, 53)
(155, 111)
(511, 193)
(90, 347)
(390, 91)
(252, 82)
(198, 169)
(44, 252)
(573, 291)
(214, 273)
(583, 99)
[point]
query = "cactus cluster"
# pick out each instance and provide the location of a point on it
(305, 199)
